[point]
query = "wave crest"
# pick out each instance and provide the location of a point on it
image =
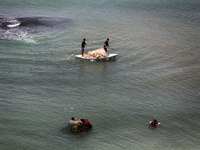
(23, 29)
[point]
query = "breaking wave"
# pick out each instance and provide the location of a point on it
(23, 29)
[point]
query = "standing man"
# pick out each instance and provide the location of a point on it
(83, 46)
(106, 45)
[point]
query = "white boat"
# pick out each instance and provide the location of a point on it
(95, 58)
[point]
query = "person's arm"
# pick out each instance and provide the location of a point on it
(108, 46)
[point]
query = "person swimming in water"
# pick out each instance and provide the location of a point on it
(71, 121)
(154, 123)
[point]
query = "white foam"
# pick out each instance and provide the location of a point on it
(13, 25)
(19, 35)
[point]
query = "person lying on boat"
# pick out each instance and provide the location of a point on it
(154, 123)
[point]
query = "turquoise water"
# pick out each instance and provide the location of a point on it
(155, 75)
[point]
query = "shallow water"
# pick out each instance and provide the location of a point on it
(155, 75)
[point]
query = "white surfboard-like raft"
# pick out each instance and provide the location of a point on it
(96, 58)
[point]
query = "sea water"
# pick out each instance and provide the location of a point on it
(155, 75)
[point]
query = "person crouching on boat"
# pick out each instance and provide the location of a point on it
(154, 123)
(106, 45)
(71, 121)
(83, 46)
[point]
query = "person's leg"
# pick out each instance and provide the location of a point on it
(82, 52)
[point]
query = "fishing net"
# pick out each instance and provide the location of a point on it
(96, 53)
(78, 126)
